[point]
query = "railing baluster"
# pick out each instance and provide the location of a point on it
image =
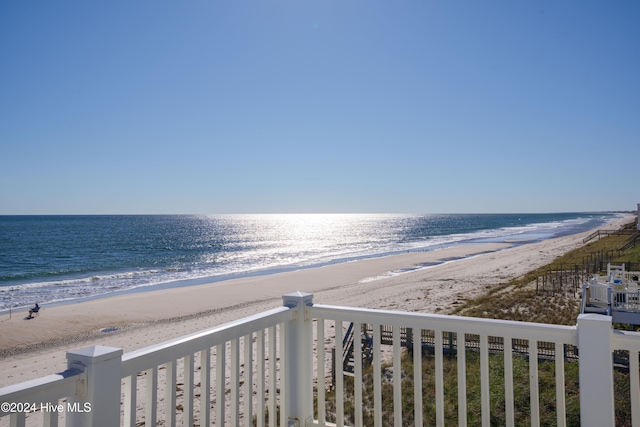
(461, 353)
(283, 374)
(17, 419)
(634, 379)
(260, 380)
(339, 371)
(397, 379)
(377, 379)
(417, 375)
(321, 380)
(357, 383)
(129, 416)
(561, 413)
(508, 382)
(50, 418)
(151, 398)
(205, 384)
(439, 378)
(234, 362)
(187, 400)
(248, 380)
(221, 359)
(533, 383)
(484, 381)
(272, 377)
(170, 393)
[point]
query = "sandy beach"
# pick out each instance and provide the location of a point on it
(36, 347)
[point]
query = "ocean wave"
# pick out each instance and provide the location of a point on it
(271, 245)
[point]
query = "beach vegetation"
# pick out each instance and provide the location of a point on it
(517, 299)
(521, 298)
(522, 405)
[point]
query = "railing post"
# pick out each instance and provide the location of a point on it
(586, 296)
(299, 356)
(595, 346)
(99, 401)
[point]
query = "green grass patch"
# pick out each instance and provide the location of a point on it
(522, 406)
(518, 299)
(515, 300)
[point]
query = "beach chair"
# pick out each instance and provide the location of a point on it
(34, 311)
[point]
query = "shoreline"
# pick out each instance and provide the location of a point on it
(73, 288)
(116, 312)
(33, 348)
(211, 280)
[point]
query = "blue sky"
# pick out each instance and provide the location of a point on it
(416, 106)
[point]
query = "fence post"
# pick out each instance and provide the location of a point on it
(595, 346)
(99, 402)
(299, 356)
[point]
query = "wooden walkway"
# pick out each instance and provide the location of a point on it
(602, 233)
(471, 342)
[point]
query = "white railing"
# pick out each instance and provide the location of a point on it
(484, 328)
(227, 346)
(43, 395)
(275, 369)
(625, 300)
(598, 292)
(613, 297)
(228, 362)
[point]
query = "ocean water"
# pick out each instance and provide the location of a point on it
(48, 259)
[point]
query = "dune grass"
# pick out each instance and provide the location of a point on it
(518, 299)
(522, 408)
(515, 300)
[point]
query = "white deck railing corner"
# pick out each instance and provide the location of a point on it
(99, 401)
(94, 386)
(595, 343)
(299, 356)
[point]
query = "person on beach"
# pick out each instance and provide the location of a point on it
(34, 310)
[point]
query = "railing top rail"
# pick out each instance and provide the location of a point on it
(591, 236)
(45, 389)
(593, 286)
(626, 340)
(607, 233)
(148, 357)
(468, 325)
